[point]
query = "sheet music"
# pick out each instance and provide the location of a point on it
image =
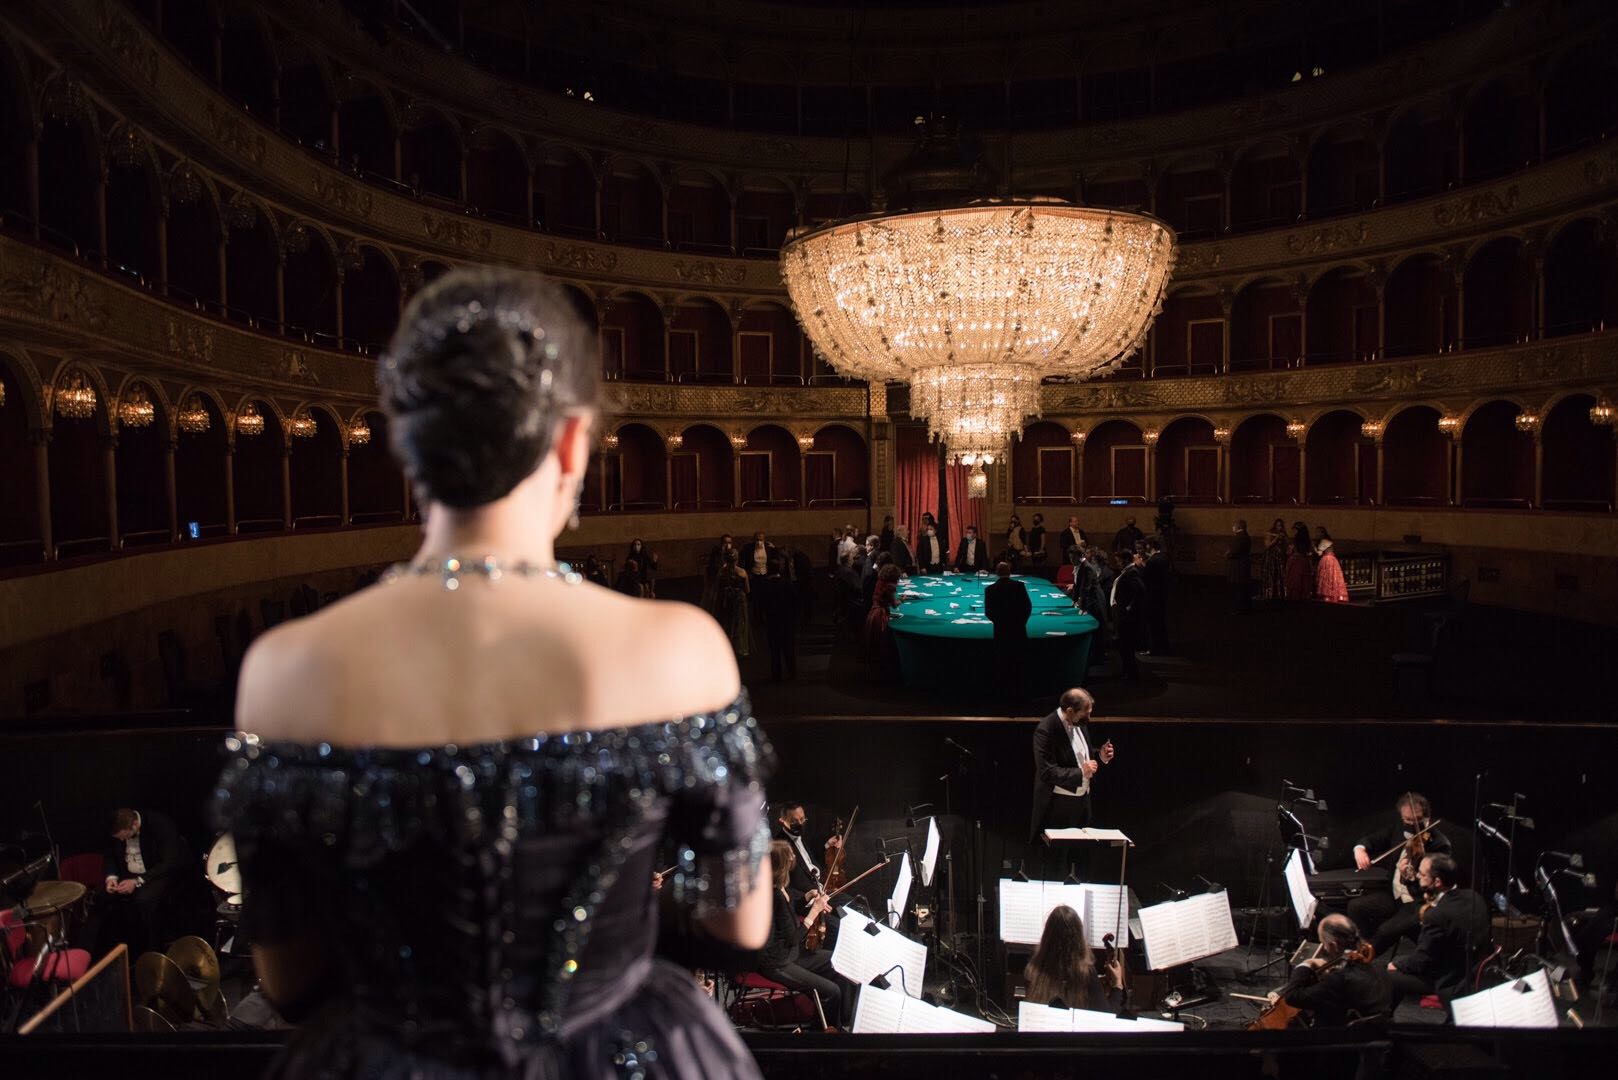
(1032, 1017)
(878, 1012)
(1182, 931)
(1303, 901)
(1105, 836)
(901, 891)
(929, 857)
(890, 1012)
(1025, 905)
(858, 955)
(1508, 1006)
(1106, 906)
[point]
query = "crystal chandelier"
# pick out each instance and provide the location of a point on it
(359, 432)
(974, 304)
(193, 418)
(76, 400)
(301, 426)
(136, 409)
(250, 421)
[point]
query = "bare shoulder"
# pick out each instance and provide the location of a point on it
(687, 660)
(289, 672)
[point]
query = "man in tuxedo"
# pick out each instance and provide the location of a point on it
(900, 550)
(1006, 605)
(1156, 573)
(1071, 537)
(972, 556)
(1453, 935)
(931, 552)
(941, 528)
(1065, 765)
(756, 556)
(1239, 569)
(1129, 612)
(1385, 914)
(143, 865)
(1338, 993)
(804, 884)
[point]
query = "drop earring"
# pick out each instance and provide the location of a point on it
(578, 497)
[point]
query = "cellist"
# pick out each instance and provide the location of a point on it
(1339, 983)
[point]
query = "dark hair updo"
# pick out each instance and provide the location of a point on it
(483, 365)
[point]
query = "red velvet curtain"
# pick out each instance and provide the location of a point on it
(916, 487)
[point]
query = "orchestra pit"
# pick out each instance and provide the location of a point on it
(912, 538)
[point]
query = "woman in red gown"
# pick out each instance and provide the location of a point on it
(1330, 585)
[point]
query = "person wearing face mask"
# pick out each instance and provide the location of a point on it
(804, 884)
(928, 521)
(1454, 932)
(930, 552)
(971, 557)
(1387, 913)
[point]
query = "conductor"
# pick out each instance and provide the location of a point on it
(1065, 766)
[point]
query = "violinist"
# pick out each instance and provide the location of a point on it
(783, 958)
(806, 882)
(1454, 933)
(1339, 984)
(1384, 915)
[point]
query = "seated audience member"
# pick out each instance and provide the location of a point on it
(1062, 972)
(594, 573)
(1337, 986)
(1454, 932)
(783, 958)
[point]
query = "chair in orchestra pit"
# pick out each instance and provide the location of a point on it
(88, 869)
(61, 967)
(756, 997)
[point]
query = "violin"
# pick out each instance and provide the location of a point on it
(1278, 1015)
(1413, 850)
(834, 880)
(822, 904)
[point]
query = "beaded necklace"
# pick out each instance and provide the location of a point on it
(451, 568)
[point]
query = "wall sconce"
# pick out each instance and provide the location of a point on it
(738, 442)
(1526, 422)
(1078, 438)
(674, 442)
(806, 443)
(1603, 414)
(301, 426)
(359, 432)
(609, 442)
(1221, 435)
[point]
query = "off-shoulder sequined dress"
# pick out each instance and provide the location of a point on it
(489, 907)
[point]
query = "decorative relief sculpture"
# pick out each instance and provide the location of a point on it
(125, 39)
(190, 340)
(343, 196)
(235, 132)
(458, 232)
(1337, 237)
(577, 256)
(1480, 207)
(709, 272)
(61, 295)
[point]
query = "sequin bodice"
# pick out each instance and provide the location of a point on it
(497, 894)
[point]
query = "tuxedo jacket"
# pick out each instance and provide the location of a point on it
(1006, 605)
(979, 560)
(1441, 955)
(801, 881)
(929, 562)
(902, 557)
(160, 849)
(1055, 766)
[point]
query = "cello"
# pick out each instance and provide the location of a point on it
(1278, 1015)
(834, 880)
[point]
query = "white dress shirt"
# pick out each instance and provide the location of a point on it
(1081, 754)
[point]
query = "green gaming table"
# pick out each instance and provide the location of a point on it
(945, 640)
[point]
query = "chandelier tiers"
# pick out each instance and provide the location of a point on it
(974, 304)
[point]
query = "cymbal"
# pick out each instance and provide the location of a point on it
(150, 1021)
(161, 986)
(213, 1007)
(52, 896)
(196, 958)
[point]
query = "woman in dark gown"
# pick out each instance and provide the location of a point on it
(448, 806)
(1299, 572)
(1273, 576)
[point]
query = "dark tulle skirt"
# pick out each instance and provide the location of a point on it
(1300, 577)
(668, 1028)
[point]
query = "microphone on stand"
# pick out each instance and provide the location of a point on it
(1489, 830)
(952, 743)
